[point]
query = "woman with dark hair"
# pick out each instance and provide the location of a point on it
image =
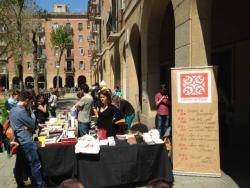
(126, 108)
(41, 110)
(107, 114)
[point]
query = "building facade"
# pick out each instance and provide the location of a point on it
(74, 68)
(142, 39)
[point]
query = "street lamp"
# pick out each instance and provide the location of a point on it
(57, 69)
(57, 76)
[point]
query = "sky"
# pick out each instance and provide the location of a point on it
(74, 5)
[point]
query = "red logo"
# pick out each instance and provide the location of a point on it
(194, 85)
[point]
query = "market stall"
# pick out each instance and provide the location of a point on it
(128, 159)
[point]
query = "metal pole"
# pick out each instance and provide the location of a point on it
(57, 77)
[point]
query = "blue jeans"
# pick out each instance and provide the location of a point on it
(83, 128)
(129, 119)
(163, 125)
(31, 155)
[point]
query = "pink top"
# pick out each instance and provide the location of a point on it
(162, 108)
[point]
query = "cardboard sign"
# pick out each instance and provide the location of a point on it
(195, 127)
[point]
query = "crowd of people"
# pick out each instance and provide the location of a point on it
(27, 113)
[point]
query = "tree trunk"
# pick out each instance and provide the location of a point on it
(19, 34)
(35, 62)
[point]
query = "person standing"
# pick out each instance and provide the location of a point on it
(23, 126)
(107, 114)
(84, 107)
(162, 102)
(117, 91)
(126, 108)
(12, 101)
(41, 110)
(52, 103)
(95, 95)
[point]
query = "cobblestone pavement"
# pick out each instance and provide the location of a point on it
(7, 179)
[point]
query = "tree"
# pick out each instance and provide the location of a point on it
(60, 39)
(17, 21)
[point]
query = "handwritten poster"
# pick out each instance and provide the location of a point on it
(195, 122)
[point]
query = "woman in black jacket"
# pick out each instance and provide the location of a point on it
(41, 110)
(107, 114)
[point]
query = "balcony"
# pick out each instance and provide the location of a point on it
(69, 70)
(41, 31)
(94, 30)
(94, 2)
(69, 56)
(89, 53)
(113, 36)
(41, 43)
(41, 71)
(91, 39)
(70, 44)
(41, 57)
(98, 19)
(91, 17)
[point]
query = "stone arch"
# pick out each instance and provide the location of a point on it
(41, 82)
(135, 73)
(29, 82)
(112, 72)
(81, 80)
(102, 69)
(69, 81)
(117, 67)
(159, 48)
(54, 81)
(4, 81)
(16, 82)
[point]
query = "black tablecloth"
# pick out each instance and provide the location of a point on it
(57, 163)
(123, 165)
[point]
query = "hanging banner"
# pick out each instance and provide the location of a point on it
(195, 130)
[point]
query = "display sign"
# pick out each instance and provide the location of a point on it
(195, 122)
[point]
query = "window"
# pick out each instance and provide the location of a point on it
(81, 65)
(68, 25)
(81, 51)
(80, 38)
(55, 26)
(29, 65)
(59, 8)
(80, 26)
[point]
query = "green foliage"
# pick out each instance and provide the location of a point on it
(60, 37)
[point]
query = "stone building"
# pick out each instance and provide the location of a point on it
(142, 39)
(75, 64)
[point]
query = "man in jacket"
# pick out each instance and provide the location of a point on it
(23, 126)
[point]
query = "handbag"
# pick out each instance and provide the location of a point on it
(102, 134)
(6, 125)
(7, 130)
